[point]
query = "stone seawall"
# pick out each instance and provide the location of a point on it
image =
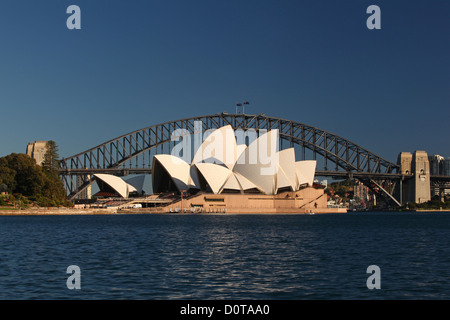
(57, 211)
(102, 211)
(236, 211)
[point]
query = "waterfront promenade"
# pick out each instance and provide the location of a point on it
(55, 211)
(115, 210)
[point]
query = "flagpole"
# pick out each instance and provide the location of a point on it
(238, 105)
(243, 106)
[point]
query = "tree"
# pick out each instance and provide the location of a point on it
(7, 175)
(28, 178)
(51, 157)
(24, 177)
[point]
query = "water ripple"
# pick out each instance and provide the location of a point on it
(226, 257)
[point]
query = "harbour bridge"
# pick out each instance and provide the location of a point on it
(336, 156)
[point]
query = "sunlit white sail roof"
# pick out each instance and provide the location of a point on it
(245, 183)
(215, 175)
(259, 162)
(178, 170)
(116, 183)
(305, 172)
(232, 183)
(286, 176)
(219, 147)
(220, 165)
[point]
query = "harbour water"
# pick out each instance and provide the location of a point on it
(188, 256)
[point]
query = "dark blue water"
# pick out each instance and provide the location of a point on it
(226, 256)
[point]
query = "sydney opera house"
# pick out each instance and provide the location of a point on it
(224, 176)
(231, 174)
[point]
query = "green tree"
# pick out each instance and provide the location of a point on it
(7, 175)
(24, 177)
(28, 179)
(51, 157)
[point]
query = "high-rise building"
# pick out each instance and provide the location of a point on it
(435, 164)
(87, 192)
(439, 166)
(445, 167)
(445, 171)
(361, 193)
(37, 150)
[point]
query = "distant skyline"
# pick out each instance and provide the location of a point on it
(135, 64)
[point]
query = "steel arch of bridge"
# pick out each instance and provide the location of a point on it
(132, 152)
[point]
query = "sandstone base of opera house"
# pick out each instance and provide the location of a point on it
(307, 200)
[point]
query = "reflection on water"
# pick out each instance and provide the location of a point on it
(226, 256)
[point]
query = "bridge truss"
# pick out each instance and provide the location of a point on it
(133, 152)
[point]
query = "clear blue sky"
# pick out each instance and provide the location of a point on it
(138, 63)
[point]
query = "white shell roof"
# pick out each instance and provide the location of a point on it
(215, 175)
(219, 147)
(232, 183)
(259, 162)
(244, 182)
(305, 171)
(178, 169)
(226, 165)
(286, 176)
(120, 186)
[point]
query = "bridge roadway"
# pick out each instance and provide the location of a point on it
(319, 173)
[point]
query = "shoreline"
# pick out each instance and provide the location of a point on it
(56, 211)
(431, 210)
(115, 211)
